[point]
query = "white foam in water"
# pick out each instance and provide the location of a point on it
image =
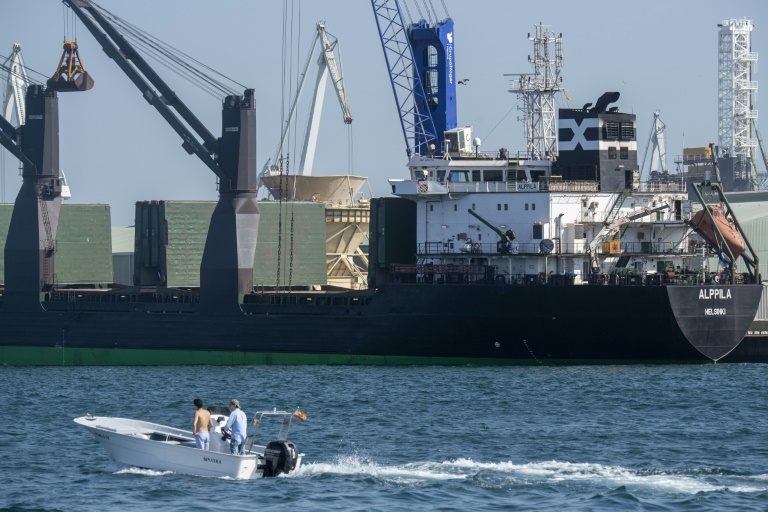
(598, 475)
(140, 471)
(609, 477)
(356, 465)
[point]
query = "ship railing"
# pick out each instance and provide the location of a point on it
(488, 274)
(454, 247)
(552, 185)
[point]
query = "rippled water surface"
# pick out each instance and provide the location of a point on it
(409, 438)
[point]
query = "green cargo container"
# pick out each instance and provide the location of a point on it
(83, 243)
(170, 237)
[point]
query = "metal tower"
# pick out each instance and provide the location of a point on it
(656, 141)
(537, 91)
(735, 87)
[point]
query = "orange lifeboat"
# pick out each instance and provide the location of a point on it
(703, 225)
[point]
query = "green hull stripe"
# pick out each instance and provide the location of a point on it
(49, 356)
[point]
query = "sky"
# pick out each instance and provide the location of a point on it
(116, 149)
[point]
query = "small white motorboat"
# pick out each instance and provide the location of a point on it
(162, 448)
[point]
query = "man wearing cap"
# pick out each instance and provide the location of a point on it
(238, 423)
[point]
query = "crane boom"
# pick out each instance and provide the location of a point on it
(326, 64)
(15, 86)
(142, 75)
(615, 225)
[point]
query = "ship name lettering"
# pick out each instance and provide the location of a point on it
(103, 436)
(715, 312)
(211, 459)
(714, 293)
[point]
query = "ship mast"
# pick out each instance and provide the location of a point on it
(536, 93)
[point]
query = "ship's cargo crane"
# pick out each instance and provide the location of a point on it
(326, 64)
(504, 236)
(615, 227)
(226, 271)
(31, 243)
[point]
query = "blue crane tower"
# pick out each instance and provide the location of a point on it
(422, 70)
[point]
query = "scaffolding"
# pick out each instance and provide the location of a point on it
(735, 92)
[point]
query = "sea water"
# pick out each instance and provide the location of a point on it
(408, 438)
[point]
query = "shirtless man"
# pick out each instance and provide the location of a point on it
(201, 425)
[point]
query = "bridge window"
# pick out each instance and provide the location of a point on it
(624, 153)
(494, 175)
(476, 176)
(459, 176)
(612, 153)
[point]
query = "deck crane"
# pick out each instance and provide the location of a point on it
(656, 141)
(31, 243)
(326, 64)
(14, 87)
(504, 236)
(226, 271)
(615, 227)
(407, 86)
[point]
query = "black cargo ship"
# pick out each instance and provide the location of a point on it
(464, 269)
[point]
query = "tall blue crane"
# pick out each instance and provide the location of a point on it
(405, 73)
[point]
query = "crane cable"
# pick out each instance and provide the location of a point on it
(173, 58)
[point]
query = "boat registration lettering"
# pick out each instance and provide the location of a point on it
(714, 293)
(103, 436)
(211, 459)
(715, 312)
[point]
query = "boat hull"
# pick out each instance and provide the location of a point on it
(130, 442)
(402, 324)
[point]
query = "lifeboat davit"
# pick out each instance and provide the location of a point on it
(731, 235)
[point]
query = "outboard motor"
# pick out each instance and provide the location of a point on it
(279, 457)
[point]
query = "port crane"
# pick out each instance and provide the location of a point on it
(326, 65)
(407, 86)
(226, 271)
(656, 141)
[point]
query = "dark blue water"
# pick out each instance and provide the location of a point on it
(409, 438)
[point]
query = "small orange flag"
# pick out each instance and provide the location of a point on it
(300, 415)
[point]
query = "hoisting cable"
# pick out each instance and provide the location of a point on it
(173, 58)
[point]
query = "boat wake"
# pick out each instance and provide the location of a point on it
(141, 471)
(505, 475)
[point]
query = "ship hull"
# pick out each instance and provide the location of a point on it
(399, 324)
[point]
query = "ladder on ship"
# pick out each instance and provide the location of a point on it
(49, 246)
